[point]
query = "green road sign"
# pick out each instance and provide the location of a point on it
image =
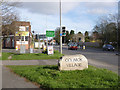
(50, 34)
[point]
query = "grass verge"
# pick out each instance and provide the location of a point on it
(51, 77)
(31, 56)
(5, 55)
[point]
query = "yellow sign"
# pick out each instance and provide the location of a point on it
(22, 33)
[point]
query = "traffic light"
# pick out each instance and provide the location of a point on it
(63, 31)
(33, 32)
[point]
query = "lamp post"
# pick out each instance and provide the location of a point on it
(60, 30)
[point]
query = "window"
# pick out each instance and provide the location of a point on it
(27, 28)
(8, 40)
(21, 28)
(26, 38)
(109, 45)
(17, 38)
(22, 38)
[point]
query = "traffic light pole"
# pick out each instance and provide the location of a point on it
(60, 31)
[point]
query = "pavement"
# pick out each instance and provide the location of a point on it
(18, 51)
(30, 62)
(11, 80)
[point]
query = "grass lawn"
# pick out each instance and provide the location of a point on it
(31, 56)
(5, 55)
(51, 77)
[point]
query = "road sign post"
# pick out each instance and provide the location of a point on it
(50, 34)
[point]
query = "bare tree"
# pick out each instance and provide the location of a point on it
(107, 27)
(9, 15)
(57, 35)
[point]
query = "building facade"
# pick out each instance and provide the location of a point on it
(78, 38)
(22, 36)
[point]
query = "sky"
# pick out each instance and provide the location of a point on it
(77, 16)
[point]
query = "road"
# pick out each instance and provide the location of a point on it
(96, 57)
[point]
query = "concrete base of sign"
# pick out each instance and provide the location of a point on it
(73, 62)
(31, 50)
(22, 49)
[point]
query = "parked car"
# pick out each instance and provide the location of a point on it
(108, 47)
(73, 46)
(70, 43)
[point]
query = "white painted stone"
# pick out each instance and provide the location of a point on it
(10, 57)
(73, 62)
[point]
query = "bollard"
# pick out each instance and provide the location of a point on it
(16, 48)
(44, 48)
(83, 47)
(31, 50)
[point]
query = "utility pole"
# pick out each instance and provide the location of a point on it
(60, 30)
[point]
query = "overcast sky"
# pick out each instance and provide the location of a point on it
(80, 16)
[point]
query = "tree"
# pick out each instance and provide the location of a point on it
(8, 16)
(87, 38)
(86, 33)
(95, 35)
(79, 33)
(57, 35)
(67, 37)
(111, 33)
(71, 35)
(107, 28)
(118, 32)
(72, 32)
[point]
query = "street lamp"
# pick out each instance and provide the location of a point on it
(60, 30)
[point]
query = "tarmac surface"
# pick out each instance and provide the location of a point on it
(11, 80)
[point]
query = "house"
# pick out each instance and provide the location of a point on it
(78, 38)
